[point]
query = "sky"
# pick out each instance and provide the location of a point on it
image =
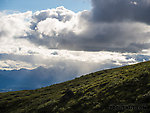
(34, 5)
(45, 42)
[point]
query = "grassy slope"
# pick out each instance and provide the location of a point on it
(93, 93)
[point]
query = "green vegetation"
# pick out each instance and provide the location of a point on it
(120, 90)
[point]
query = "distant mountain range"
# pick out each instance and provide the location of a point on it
(119, 90)
(24, 79)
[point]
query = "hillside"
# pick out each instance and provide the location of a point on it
(125, 89)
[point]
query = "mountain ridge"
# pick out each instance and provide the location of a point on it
(24, 79)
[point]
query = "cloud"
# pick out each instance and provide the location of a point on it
(121, 10)
(61, 28)
(122, 37)
(14, 25)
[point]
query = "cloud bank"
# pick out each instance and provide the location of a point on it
(118, 26)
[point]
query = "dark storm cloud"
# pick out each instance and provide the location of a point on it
(121, 10)
(121, 37)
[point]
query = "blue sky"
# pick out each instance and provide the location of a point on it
(34, 5)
